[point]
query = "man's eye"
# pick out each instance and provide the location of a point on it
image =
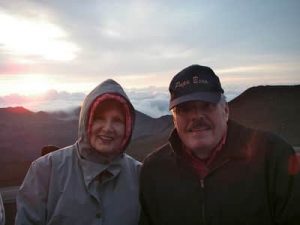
(186, 108)
(209, 106)
(182, 109)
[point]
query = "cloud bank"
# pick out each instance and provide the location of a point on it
(152, 101)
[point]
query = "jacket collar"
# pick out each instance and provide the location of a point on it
(91, 170)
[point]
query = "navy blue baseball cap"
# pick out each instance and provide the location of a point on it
(195, 83)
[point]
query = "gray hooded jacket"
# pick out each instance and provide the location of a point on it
(2, 213)
(63, 187)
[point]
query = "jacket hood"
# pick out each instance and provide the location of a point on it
(107, 90)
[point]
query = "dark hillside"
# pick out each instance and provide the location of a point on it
(23, 133)
(272, 108)
(148, 126)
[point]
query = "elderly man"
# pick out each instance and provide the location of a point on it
(213, 170)
(92, 181)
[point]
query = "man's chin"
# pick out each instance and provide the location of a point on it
(199, 145)
(201, 151)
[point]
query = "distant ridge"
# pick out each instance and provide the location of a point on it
(15, 110)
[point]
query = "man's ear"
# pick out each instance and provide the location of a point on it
(226, 111)
(174, 118)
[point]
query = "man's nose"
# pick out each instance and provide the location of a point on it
(197, 110)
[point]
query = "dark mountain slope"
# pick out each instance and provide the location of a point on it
(272, 108)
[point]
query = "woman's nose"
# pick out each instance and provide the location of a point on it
(108, 126)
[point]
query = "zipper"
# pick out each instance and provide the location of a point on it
(202, 185)
(203, 200)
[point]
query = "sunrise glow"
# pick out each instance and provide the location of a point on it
(23, 36)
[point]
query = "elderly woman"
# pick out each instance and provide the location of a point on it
(92, 181)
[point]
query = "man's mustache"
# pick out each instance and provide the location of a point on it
(199, 124)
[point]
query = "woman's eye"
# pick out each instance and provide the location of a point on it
(118, 120)
(98, 118)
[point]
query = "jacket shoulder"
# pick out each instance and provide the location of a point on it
(131, 165)
(63, 153)
(131, 162)
(160, 156)
(261, 141)
(53, 159)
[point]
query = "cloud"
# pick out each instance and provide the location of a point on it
(151, 101)
(49, 101)
(39, 38)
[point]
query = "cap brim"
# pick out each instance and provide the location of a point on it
(211, 97)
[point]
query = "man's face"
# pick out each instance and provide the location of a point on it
(201, 125)
(108, 129)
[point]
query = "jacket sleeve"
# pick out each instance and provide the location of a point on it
(146, 196)
(144, 217)
(284, 184)
(32, 195)
(2, 213)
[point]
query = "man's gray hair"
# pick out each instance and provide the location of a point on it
(223, 98)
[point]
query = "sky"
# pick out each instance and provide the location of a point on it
(53, 53)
